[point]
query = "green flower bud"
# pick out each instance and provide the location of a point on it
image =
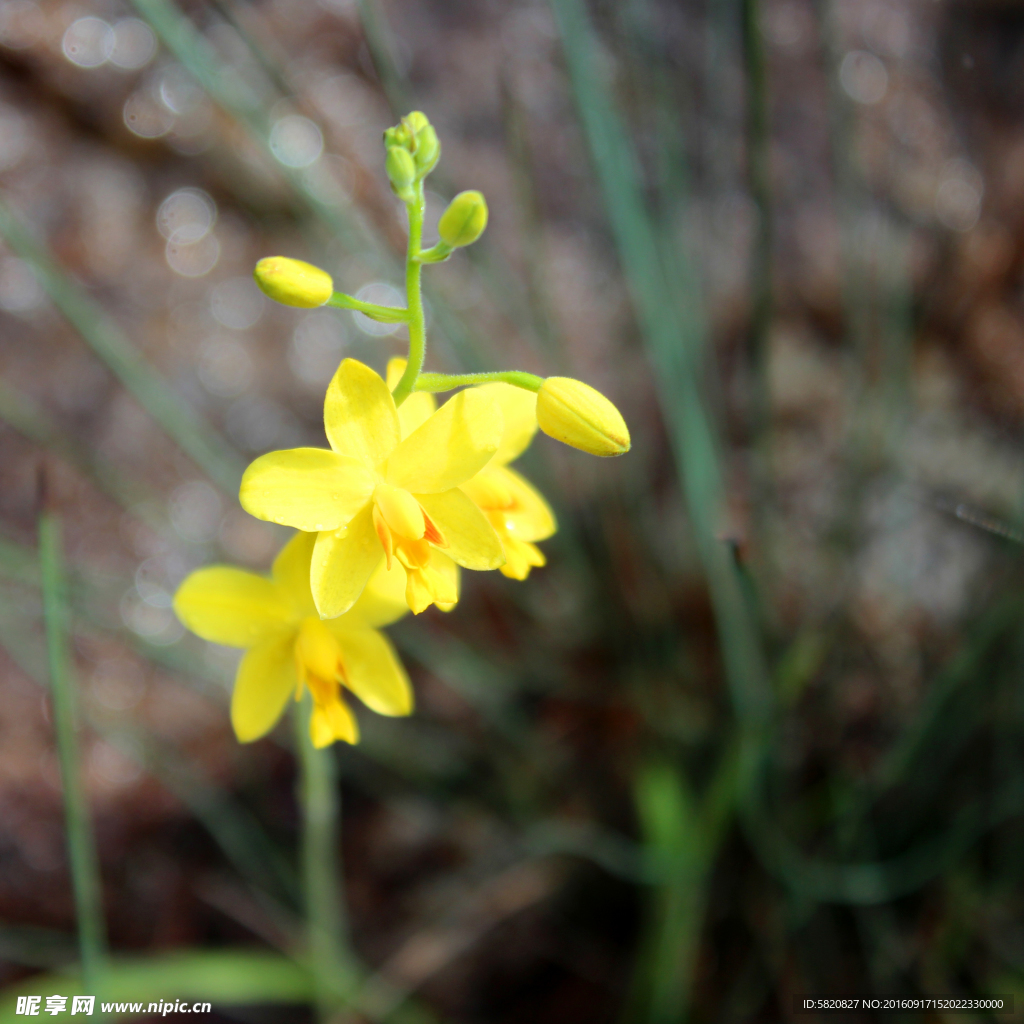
(414, 122)
(396, 136)
(464, 220)
(293, 283)
(428, 150)
(401, 170)
(574, 413)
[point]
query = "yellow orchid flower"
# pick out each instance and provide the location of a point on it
(290, 648)
(513, 506)
(375, 496)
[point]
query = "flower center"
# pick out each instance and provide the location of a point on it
(401, 524)
(321, 668)
(400, 510)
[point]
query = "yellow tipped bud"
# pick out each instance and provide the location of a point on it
(464, 220)
(427, 151)
(574, 413)
(401, 170)
(414, 121)
(293, 283)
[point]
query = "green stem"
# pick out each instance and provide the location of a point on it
(330, 960)
(436, 253)
(414, 300)
(385, 314)
(447, 381)
(85, 878)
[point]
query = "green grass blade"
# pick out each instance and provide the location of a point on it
(223, 977)
(203, 445)
(85, 877)
(674, 344)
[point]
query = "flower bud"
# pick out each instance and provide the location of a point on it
(574, 413)
(292, 282)
(464, 220)
(414, 121)
(401, 170)
(428, 150)
(396, 136)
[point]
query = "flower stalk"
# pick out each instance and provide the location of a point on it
(330, 958)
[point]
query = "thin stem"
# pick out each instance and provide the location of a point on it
(448, 381)
(330, 960)
(414, 300)
(437, 253)
(385, 314)
(85, 878)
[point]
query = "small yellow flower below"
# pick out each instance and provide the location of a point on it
(289, 648)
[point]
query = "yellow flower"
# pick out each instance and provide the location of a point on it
(374, 495)
(289, 647)
(516, 510)
(574, 413)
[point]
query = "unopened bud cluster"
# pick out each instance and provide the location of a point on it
(413, 150)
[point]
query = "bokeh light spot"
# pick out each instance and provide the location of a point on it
(88, 42)
(134, 44)
(296, 141)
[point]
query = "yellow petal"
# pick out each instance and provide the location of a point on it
(343, 560)
(330, 722)
(291, 572)
(359, 414)
(231, 606)
(372, 669)
(311, 489)
(519, 417)
(383, 600)
(316, 650)
(447, 568)
(521, 558)
(265, 680)
(524, 512)
(436, 581)
(417, 408)
(470, 538)
(450, 447)
(393, 374)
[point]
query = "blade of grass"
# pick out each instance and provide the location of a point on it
(759, 179)
(200, 442)
(223, 977)
(674, 345)
(85, 877)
